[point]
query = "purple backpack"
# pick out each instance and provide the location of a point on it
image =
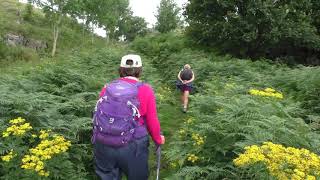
(116, 114)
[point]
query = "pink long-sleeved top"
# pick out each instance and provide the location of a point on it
(147, 109)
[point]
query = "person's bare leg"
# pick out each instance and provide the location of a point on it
(186, 99)
(182, 98)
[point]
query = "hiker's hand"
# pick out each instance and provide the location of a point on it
(185, 82)
(163, 140)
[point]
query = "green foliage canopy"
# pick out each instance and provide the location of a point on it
(131, 26)
(109, 13)
(55, 11)
(167, 17)
(256, 28)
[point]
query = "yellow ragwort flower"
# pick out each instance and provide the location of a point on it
(43, 134)
(8, 157)
(282, 162)
(192, 158)
(17, 128)
(45, 150)
(19, 120)
(267, 92)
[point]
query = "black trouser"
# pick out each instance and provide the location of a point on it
(132, 160)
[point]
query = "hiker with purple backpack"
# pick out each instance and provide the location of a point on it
(124, 116)
(184, 83)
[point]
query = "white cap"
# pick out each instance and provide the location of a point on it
(135, 58)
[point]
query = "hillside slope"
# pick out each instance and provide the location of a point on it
(38, 30)
(57, 95)
(237, 104)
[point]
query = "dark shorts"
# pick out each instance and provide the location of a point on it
(184, 87)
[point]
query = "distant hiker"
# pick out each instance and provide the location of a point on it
(184, 83)
(124, 116)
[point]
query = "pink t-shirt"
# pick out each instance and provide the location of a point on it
(148, 109)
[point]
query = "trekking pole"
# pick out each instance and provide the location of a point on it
(158, 152)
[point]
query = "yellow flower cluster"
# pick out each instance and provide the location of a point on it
(166, 89)
(198, 139)
(173, 165)
(192, 158)
(44, 151)
(163, 92)
(44, 134)
(17, 128)
(19, 120)
(8, 157)
(283, 163)
(189, 120)
(269, 92)
(182, 132)
(160, 96)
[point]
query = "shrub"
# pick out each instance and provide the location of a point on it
(238, 103)
(57, 95)
(29, 154)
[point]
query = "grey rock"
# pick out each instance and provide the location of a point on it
(35, 44)
(15, 40)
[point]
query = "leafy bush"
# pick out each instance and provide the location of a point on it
(39, 154)
(257, 28)
(14, 54)
(224, 117)
(156, 44)
(229, 119)
(303, 84)
(28, 11)
(59, 95)
(282, 162)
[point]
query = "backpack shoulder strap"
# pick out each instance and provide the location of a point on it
(139, 84)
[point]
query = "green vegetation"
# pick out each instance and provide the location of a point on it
(131, 26)
(226, 117)
(237, 103)
(274, 29)
(50, 96)
(73, 35)
(167, 17)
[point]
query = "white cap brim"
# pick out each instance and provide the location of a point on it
(135, 58)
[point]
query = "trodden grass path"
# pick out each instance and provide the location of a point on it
(170, 115)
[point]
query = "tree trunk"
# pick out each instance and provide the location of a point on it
(56, 31)
(92, 33)
(107, 34)
(55, 39)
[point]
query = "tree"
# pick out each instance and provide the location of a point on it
(28, 11)
(88, 11)
(168, 16)
(131, 26)
(55, 11)
(315, 13)
(109, 13)
(269, 28)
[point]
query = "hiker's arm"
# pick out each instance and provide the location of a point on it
(152, 121)
(192, 79)
(103, 91)
(179, 76)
